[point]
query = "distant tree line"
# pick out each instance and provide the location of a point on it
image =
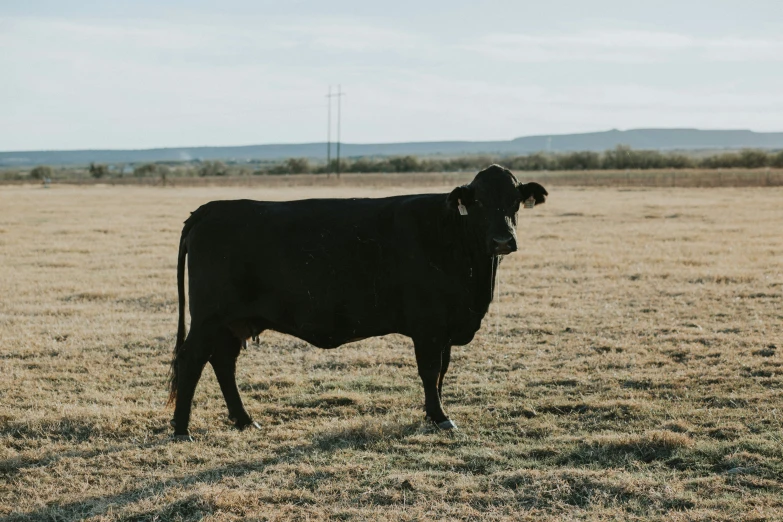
(620, 158)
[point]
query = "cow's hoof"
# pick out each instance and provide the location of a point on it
(447, 425)
(253, 426)
(182, 438)
(241, 426)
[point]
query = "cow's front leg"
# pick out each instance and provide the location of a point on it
(444, 367)
(429, 358)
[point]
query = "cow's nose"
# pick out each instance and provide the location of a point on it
(504, 245)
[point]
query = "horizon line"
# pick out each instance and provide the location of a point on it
(394, 142)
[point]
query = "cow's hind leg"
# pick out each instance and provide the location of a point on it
(224, 362)
(429, 360)
(192, 357)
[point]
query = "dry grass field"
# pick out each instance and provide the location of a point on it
(630, 369)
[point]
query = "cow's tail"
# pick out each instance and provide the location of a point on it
(183, 250)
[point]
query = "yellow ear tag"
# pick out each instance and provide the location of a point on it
(463, 211)
(530, 202)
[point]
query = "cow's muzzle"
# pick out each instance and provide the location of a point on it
(503, 245)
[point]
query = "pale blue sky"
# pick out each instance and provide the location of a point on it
(110, 74)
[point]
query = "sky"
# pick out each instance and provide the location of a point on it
(142, 74)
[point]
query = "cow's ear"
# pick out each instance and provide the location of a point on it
(534, 190)
(465, 195)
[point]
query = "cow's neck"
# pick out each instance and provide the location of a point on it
(482, 275)
(476, 270)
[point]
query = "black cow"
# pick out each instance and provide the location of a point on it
(334, 271)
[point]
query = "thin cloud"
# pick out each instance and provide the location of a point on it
(622, 47)
(352, 36)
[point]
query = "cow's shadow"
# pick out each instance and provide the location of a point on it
(98, 505)
(335, 440)
(76, 431)
(13, 466)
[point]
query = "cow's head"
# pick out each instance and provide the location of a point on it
(489, 206)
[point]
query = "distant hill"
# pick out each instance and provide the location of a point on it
(650, 139)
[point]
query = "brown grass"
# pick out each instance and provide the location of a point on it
(632, 369)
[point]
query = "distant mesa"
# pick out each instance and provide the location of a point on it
(647, 139)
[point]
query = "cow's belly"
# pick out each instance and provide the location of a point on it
(320, 322)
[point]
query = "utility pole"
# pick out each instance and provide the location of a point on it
(328, 130)
(339, 95)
